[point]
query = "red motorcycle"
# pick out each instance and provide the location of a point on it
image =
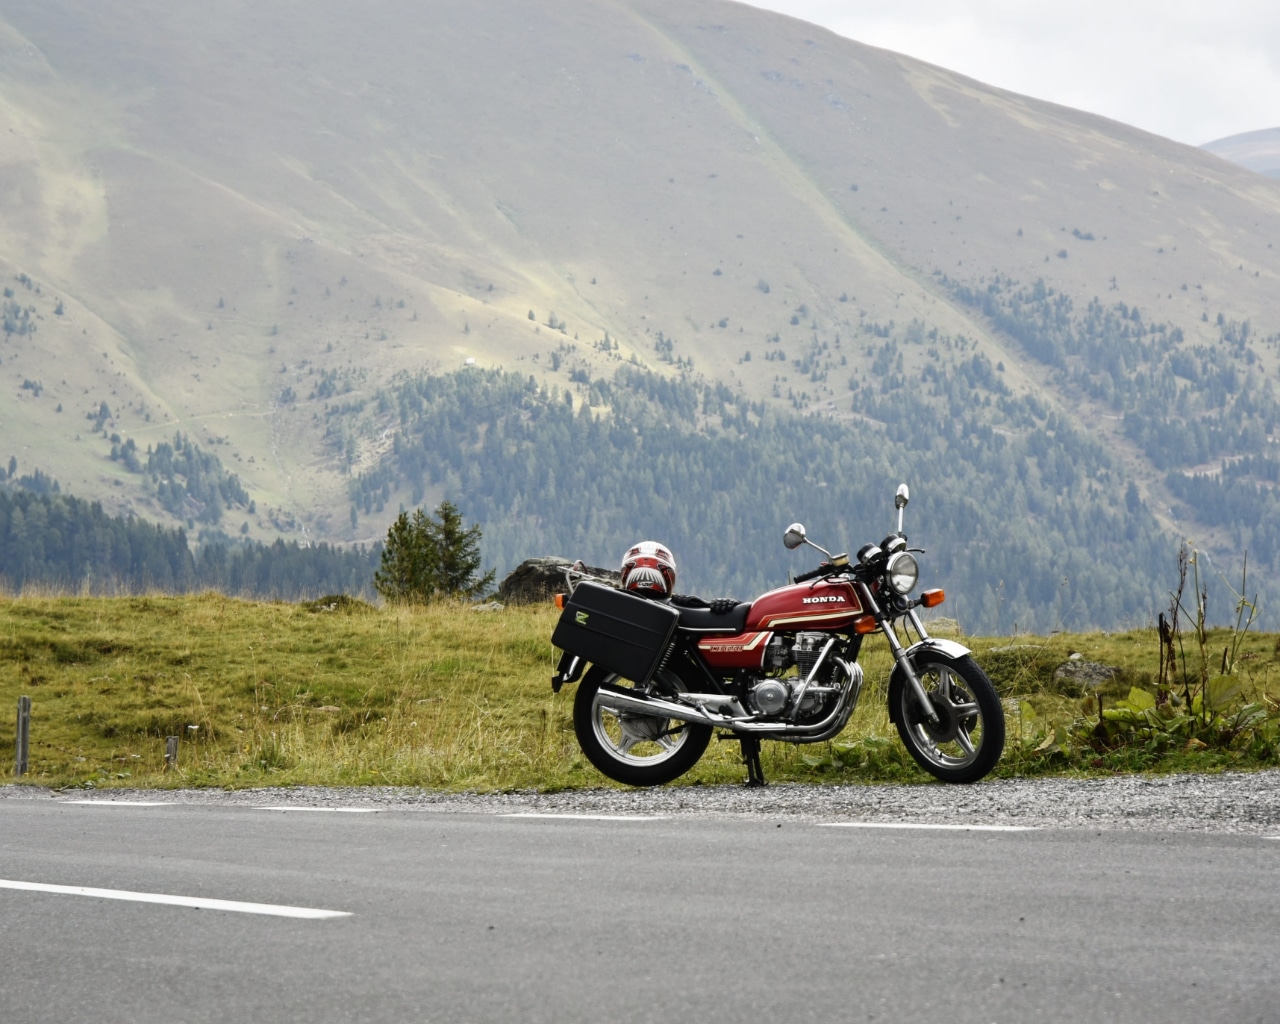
(782, 667)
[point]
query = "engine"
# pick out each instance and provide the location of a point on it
(800, 651)
(771, 696)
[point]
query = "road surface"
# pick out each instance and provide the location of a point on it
(527, 915)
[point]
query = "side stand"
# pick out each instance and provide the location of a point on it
(751, 758)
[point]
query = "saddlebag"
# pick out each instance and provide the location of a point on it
(618, 631)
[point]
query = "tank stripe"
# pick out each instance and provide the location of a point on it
(734, 643)
(786, 620)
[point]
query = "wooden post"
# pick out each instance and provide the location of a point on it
(170, 753)
(22, 748)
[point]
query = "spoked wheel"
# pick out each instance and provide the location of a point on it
(966, 741)
(636, 750)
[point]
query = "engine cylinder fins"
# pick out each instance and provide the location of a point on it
(808, 648)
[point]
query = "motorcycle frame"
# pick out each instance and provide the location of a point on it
(694, 705)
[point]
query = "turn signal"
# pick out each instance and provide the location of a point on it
(560, 601)
(930, 598)
(865, 624)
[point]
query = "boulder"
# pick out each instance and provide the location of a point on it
(536, 580)
(1075, 676)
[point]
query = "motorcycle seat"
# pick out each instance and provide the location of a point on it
(704, 620)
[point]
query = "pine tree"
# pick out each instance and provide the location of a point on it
(457, 553)
(409, 564)
(431, 556)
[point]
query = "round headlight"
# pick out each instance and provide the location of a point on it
(902, 572)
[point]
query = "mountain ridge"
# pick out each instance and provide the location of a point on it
(253, 220)
(1257, 150)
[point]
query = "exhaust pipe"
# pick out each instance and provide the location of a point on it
(616, 700)
(659, 708)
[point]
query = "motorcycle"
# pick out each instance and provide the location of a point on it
(783, 667)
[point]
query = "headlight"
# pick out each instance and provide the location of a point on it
(902, 572)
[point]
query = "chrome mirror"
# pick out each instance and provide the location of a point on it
(902, 497)
(794, 536)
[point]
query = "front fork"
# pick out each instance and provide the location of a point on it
(902, 655)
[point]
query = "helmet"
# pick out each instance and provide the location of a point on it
(649, 568)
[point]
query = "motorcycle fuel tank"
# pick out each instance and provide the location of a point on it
(821, 605)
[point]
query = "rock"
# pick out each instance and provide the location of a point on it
(1074, 676)
(536, 580)
(487, 606)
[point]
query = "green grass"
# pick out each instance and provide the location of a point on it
(444, 697)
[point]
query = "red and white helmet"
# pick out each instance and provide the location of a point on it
(649, 568)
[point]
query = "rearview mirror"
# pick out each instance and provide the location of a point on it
(902, 497)
(794, 536)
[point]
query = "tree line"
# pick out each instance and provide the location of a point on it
(1038, 530)
(57, 541)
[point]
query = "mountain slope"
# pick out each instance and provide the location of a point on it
(1259, 151)
(243, 222)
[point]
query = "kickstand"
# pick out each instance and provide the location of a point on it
(751, 758)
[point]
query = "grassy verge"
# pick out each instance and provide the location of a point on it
(441, 696)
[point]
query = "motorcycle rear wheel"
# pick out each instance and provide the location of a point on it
(636, 750)
(968, 738)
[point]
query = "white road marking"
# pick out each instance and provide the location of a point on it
(119, 803)
(334, 810)
(589, 817)
(199, 903)
(921, 825)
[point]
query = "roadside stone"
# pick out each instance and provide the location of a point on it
(1076, 676)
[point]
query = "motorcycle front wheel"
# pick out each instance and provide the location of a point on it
(636, 750)
(968, 738)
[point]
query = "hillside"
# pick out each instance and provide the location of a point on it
(1259, 151)
(245, 229)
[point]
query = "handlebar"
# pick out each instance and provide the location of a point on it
(813, 574)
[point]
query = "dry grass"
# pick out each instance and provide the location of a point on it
(441, 696)
(270, 693)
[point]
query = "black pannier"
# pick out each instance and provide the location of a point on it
(618, 631)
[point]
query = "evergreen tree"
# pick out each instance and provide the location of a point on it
(429, 556)
(409, 568)
(458, 554)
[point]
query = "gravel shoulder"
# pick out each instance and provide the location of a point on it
(1247, 803)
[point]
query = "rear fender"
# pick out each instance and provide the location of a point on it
(568, 671)
(947, 648)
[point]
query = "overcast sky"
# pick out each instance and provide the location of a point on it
(1191, 70)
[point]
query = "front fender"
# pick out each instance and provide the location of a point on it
(947, 648)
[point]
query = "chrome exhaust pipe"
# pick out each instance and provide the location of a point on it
(616, 700)
(659, 708)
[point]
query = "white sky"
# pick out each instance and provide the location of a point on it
(1191, 70)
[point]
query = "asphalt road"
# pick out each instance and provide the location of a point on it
(487, 917)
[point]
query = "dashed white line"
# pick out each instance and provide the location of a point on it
(331, 810)
(925, 825)
(119, 803)
(199, 903)
(589, 817)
